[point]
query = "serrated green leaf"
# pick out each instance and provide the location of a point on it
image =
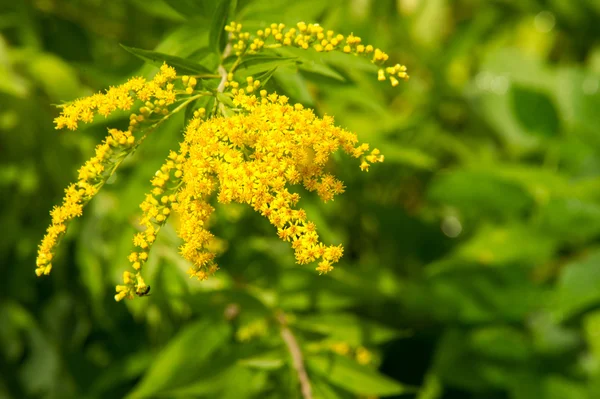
(351, 376)
(156, 58)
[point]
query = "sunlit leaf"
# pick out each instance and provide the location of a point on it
(217, 34)
(182, 65)
(180, 360)
(349, 375)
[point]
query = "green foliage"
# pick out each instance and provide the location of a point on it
(472, 264)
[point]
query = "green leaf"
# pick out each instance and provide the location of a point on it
(357, 379)
(535, 111)
(181, 360)
(412, 157)
(432, 387)
(591, 325)
(458, 365)
(348, 328)
(293, 84)
(267, 361)
(321, 69)
(570, 219)
(578, 286)
(501, 342)
(189, 112)
(188, 8)
(213, 379)
(158, 8)
(185, 41)
(265, 77)
(225, 99)
(156, 58)
(560, 387)
(501, 245)
(322, 389)
(549, 336)
(55, 75)
(429, 23)
(244, 383)
(457, 189)
(217, 35)
(256, 64)
(350, 61)
(577, 99)
(126, 369)
(500, 70)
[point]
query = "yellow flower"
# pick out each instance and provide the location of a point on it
(252, 154)
(110, 153)
(363, 356)
(156, 209)
(92, 175)
(253, 157)
(118, 98)
(307, 36)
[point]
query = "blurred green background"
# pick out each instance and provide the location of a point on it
(472, 264)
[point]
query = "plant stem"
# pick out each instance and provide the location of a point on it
(296, 353)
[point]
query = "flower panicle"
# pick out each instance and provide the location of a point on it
(306, 36)
(252, 157)
(253, 154)
(156, 207)
(91, 176)
(157, 94)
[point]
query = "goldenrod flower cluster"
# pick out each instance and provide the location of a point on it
(253, 157)
(156, 208)
(313, 36)
(109, 154)
(160, 89)
(250, 149)
(92, 176)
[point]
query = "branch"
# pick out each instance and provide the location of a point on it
(296, 353)
(222, 70)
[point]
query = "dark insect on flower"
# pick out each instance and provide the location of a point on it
(144, 291)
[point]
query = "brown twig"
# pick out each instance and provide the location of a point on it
(296, 353)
